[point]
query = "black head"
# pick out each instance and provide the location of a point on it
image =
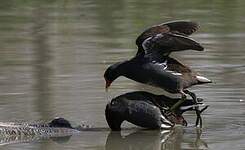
(111, 73)
(60, 122)
(114, 113)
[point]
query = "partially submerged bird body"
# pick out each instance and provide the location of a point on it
(145, 110)
(55, 128)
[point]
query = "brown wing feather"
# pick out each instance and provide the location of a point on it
(182, 27)
(165, 43)
(176, 66)
(178, 27)
(188, 75)
(152, 31)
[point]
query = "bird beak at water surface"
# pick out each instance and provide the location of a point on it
(107, 85)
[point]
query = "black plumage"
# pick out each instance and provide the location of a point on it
(166, 73)
(146, 110)
(152, 64)
(168, 37)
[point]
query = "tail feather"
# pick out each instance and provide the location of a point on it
(202, 80)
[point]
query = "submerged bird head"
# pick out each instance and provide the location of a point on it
(139, 112)
(60, 123)
(112, 73)
(114, 113)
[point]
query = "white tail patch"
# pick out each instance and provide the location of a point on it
(203, 79)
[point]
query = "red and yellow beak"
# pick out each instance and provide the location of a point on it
(107, 85)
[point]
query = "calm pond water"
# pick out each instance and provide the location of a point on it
(53, 55)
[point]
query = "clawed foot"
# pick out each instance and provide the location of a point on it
(171, 112)
(197, 109)
(198, 113)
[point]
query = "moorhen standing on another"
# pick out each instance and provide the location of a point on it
(152, 64)
(168, 74)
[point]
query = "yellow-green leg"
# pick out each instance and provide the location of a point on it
(176, 105)
(197, 110)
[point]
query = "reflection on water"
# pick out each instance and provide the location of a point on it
(135, 140)
(24, 139)
(178, 138)
(42, 56)
(147, 139)
(53, 55)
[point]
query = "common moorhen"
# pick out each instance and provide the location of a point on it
(146, 110)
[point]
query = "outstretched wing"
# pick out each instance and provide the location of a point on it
(182, 27)
(165, 43)
(177, 27)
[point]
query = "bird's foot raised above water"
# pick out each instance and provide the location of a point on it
(176, 115)
(199, 118)
(196, 108)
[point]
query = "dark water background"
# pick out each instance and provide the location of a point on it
(53, 55)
